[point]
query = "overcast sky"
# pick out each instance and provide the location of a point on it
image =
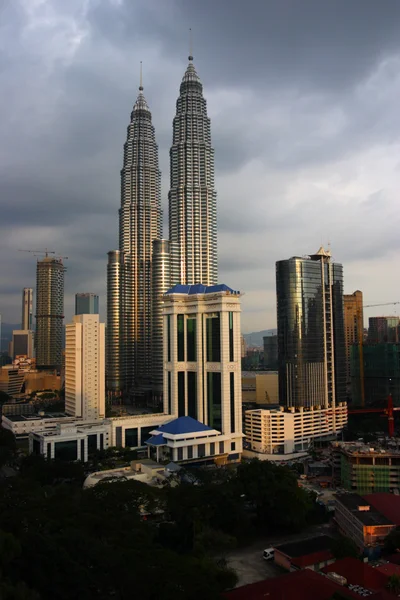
(303, 97)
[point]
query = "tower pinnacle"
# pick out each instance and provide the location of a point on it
(190, 57)
(141, 78)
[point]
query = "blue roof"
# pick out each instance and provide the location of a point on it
(183, 425)
(156, 440)
(199, 288)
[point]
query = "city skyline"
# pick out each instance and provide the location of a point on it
(306, 141)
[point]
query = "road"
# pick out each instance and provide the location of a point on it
(249, 563)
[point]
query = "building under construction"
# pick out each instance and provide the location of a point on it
(49, 312)
(381, 363)
(363, 469)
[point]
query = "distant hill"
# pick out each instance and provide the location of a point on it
(256, 338)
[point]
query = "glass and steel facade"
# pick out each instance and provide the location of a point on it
(49, 312)
(86, 304)
(311, 349)
(192, 197)
(114, 340)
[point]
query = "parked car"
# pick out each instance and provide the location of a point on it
(268, 554)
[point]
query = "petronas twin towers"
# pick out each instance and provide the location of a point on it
(146, 266)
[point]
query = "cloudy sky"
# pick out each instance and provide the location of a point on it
(304, 101)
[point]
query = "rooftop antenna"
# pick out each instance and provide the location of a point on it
(190, 44)
(141, 78)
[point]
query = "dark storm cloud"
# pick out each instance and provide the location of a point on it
(302, 97)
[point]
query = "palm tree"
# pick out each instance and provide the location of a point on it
(393, 584)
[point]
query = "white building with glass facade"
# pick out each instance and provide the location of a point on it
(202, 359)
(278, 432)
(71, 441)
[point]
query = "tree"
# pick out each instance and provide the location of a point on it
(392, 541)
(393, 584)
(8, 446)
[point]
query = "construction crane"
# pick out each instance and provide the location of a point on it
(387, 412)
(382, 304)
(46, 252)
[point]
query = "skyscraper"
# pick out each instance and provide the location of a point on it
(140, 222)
(86, 304)
(192, 197)
(85, 368)
(114, 342)
(49, 312)
(311, 348)
(353, 325)
(27, 309)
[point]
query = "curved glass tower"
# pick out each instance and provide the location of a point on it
(192, 197)
(311, 349)
(140, 222)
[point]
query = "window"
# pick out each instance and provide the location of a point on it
(169, 393)
(191, 338)
(212, 448)
(221, 447)
(48, 450)
(181, 337)
(131, 437)
(102, 441)
(92, 443)
(181, 394)
(201, 450)
(190, 451)
(232, 400)
(192, 394)
(233, 446)
(231, 352)
(213, 330)
(145, 434)
(180, 453)
(118, 437)
(169, 337)
(83, 450)
(66, 450)
(214, 400)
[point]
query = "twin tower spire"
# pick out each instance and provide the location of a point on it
(146, 266)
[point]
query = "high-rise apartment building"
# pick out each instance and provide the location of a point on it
(27, 309)
(140, 223)
(383, 330)
(49, 312)
(85, 368)
(353, 325)
(86, 304)
(115, 342)
(202, 358)
(192, 197)
(311, 346)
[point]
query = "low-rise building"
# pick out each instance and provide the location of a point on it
(71, 441)
(143, 470)
(361, 522)
(11, 380)
(185, 440)
(355, 572)
(312, 553)
(22, 425)
(364, 469)
(276, 432)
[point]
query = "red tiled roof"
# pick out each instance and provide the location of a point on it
(389, 569)
(299, 585)
(387, 504)
(358, 573)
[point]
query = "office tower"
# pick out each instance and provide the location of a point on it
(192, 197)
(140, 222)
(49, 312)
(86, 304)
(27, 309)
(383, 329)
(22, 343)
(353, 325)
(115, 342)
(311, 348)
(85, 368)
(270, 351)
(160, 284)
(202, 358)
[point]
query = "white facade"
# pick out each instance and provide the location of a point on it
(85, 368)
(202, 358)
(70, 441)
(22, 425)
(124, 430)
(280, 431)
